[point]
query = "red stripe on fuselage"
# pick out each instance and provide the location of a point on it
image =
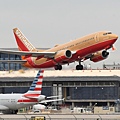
(27, 100)
(30, 62)
(31, 95)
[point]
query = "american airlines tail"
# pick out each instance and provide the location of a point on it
(36, 87)
(22, 41)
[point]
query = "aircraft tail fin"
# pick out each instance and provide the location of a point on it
(22, 41)
(36, 87)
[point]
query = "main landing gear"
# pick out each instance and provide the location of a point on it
(58, 67)
(79, 67)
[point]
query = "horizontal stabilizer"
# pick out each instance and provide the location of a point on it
(13, 61)
(53, 100)
(54, 96)
(33, 54)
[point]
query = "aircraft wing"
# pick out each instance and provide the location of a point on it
(46, 101)
(13, 61)
(33, 54)
(50, 97)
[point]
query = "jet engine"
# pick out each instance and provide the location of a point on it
(98, 56)
(41, 97)
(63, 55)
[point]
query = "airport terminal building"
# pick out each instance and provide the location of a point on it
(79, 88)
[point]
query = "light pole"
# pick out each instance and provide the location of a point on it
(93, 107)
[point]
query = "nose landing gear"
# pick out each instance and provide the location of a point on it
(79, 67)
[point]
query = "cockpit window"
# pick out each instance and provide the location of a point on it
(104, 33)
(107, 33)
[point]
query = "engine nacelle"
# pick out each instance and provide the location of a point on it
(63, 55)
(41, 97)
(100, 55)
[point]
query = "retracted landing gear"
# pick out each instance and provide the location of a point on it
(79, 67)
(58, 67)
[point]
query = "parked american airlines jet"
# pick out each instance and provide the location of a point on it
(10, 103)
(93, 47)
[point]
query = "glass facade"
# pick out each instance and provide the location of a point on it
(15, 89)
(100, 93)
(47, 91)
(9, 66)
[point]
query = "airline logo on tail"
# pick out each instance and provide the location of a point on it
(22, 39)
(36, 87)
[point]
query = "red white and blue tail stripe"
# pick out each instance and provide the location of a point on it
(36, 87)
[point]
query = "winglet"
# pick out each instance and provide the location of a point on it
(22, 41)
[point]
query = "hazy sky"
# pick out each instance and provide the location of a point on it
(49, 22)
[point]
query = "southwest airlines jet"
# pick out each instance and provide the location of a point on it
(93, 46)
(10, 103)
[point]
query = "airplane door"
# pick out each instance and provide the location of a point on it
(97, 37)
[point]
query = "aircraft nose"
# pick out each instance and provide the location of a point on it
(115, 36)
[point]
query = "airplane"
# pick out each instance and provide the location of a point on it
(93, 46)
(10, 103)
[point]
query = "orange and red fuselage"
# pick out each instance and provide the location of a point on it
(82, 48)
